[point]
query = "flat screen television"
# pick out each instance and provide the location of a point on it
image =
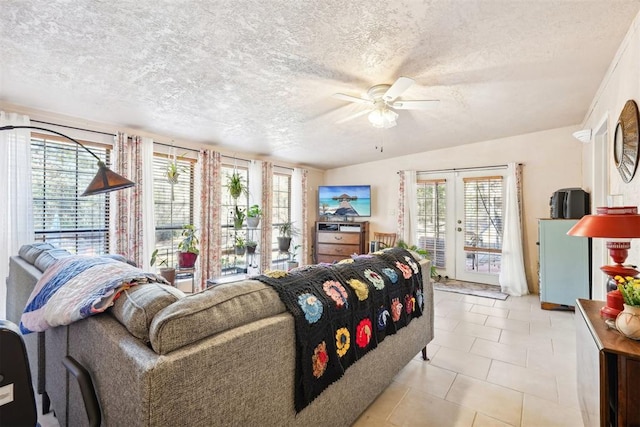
(344, 201)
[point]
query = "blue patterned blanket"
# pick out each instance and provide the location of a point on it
(76, 287)
(342, 311)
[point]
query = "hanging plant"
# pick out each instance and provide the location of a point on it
(172, 173)
(237, 185)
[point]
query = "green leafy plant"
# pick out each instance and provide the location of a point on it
(240, 242)
(238, 217)
(433, 271)
(287, 229)
(161, 261)
(254, 211)
(189, 241)
(629, 287)
(237, 185)
(294, 252)
(250, 242)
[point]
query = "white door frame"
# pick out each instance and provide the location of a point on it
(599, 197)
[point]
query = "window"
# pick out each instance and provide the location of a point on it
(61, 170)
(173, 204)
(281, 212)
(483, 223)
(432, 215)
(233, 263)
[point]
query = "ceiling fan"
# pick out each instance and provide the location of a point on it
(383, 100)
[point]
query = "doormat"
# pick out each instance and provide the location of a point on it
(471, 288)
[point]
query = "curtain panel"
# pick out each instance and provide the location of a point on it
(513, 280)
(209, 171)
(266, 229)
(16, 219)
(299, 212)
(407, 207)
(129, 225)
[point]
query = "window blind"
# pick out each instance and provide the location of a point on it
(61, 170)
(173, 204)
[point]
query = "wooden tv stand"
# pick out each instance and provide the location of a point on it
(339, 240)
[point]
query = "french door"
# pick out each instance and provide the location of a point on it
(460, 222)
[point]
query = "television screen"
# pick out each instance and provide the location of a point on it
(344, 200)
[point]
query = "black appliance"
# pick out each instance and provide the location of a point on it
(570, 203)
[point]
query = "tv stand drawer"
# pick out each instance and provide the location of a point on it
(339, 238)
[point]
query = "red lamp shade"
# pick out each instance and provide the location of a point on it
(612, 223)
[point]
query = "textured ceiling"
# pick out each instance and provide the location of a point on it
(257, 75)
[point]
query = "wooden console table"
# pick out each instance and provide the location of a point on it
(608, 370)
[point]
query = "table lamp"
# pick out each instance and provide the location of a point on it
(618, 225)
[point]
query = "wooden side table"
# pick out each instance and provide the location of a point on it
(608, 370)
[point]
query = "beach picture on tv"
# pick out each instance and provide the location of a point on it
(344, 200)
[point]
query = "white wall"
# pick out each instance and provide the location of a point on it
(621, 83)
(552, 159)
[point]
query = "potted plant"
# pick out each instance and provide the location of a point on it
(238, 218)
(251, 246)
(188, 247)
(254, 213)
(293, 263)
(236, 185)
(240, 245)
(286, 231)
(166, 271)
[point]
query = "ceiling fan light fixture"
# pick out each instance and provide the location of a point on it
(383, 118)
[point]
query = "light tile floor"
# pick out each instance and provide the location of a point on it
(492, 363)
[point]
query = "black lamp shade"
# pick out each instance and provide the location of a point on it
(105, 181)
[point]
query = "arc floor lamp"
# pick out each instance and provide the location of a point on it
(105, 180)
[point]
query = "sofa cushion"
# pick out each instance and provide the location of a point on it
(48, 257)
(215, 310)
(137, 306)
(32, 251)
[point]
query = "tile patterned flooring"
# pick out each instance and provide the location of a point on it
(493, 363)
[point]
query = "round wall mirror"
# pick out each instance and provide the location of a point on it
(625, 141)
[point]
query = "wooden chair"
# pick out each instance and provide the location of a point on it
(387, 240)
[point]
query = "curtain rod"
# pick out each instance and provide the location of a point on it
(72, 127)
(467, 169)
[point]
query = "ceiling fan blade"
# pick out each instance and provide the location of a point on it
(350, 98)
(353, 116)
(399, 86)
(426, 104)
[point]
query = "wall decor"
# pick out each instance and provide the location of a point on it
(625, 141)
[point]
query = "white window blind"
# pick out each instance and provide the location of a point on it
(281, 212)
(173, 204)
(432, 215)
(61, 170)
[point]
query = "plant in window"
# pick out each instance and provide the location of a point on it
(188, 247)
(254, 213)
(238, 217)
(240, 245)
(286, 230)
(167, 272)
(293, 262)
(173, 170)
(251, 246)
(237, 185)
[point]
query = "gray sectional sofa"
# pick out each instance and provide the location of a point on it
(224, 356)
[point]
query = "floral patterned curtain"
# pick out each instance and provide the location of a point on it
(210, 165)
(305, 218)
(129, 235)
(266, 230)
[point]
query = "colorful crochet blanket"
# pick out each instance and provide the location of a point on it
(76, 287)
(344, 310)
